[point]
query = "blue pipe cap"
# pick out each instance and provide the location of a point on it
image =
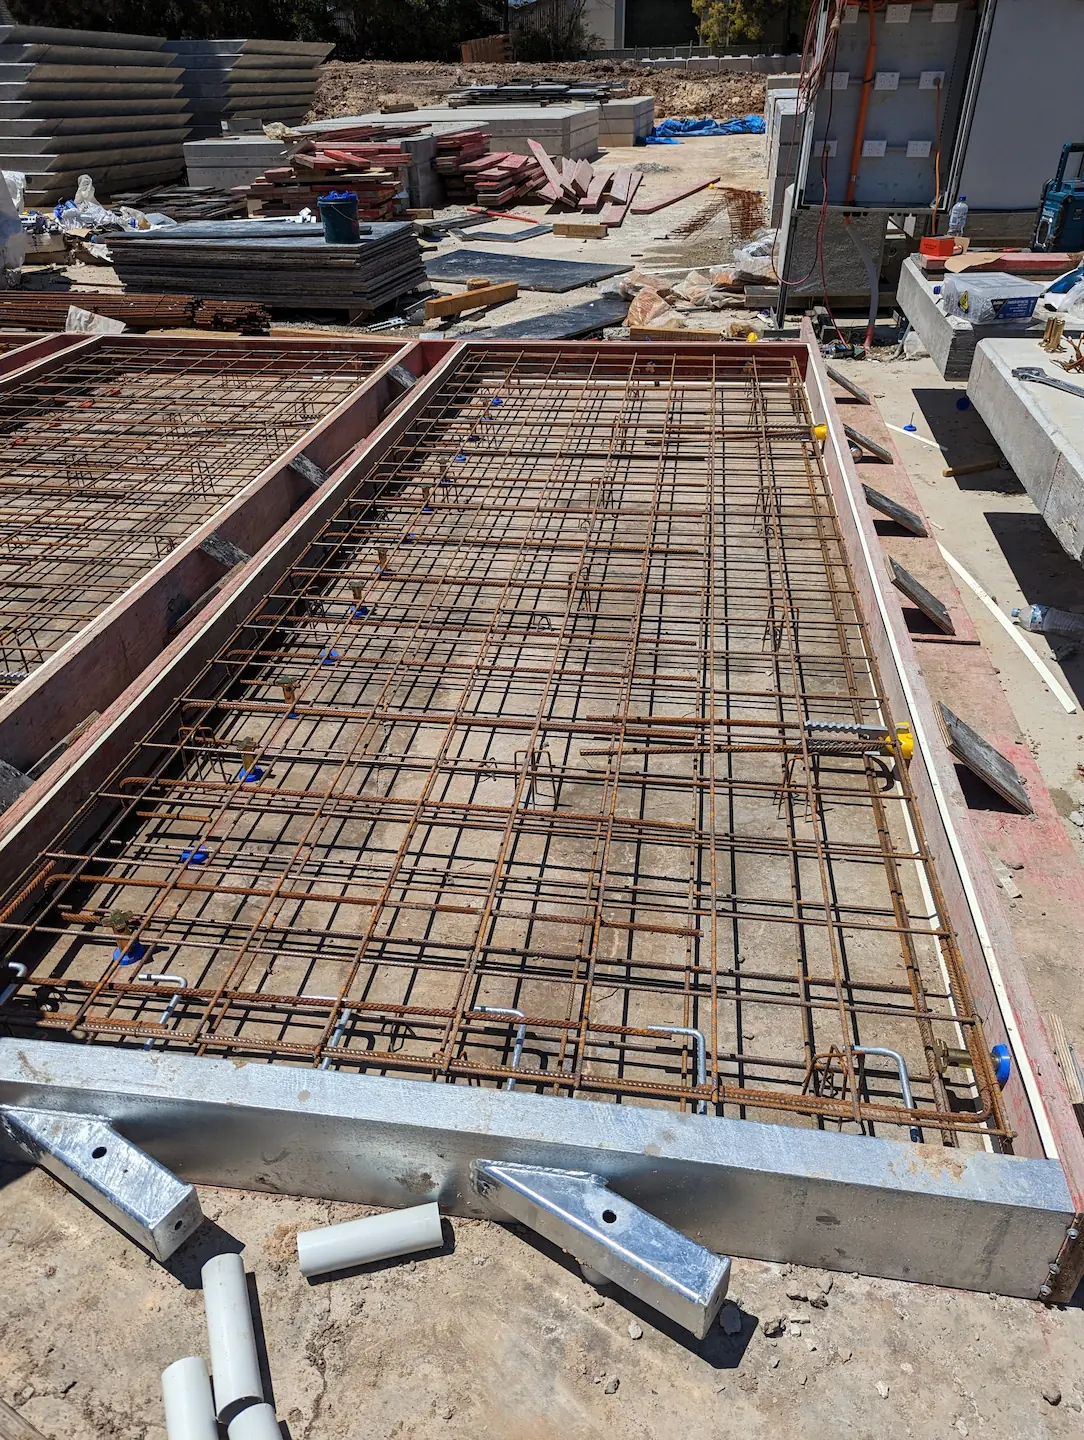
(1002, 1058)
(358, 612)
(496, 401)
(250, 777)
(195, 855)
(963, 403)
(328, 657)
(129, 954)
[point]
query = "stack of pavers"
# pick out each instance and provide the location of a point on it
(76, 102)
(370, 166)
(278, 263)
(257, 80)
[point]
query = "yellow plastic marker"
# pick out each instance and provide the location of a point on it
(820, 432)
(905, 740)
(752, 337)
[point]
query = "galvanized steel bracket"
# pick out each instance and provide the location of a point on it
(112, 1175)
(611, 1237)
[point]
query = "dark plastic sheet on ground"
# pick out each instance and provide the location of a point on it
(567, 324)
(530, 271)
(672, 132)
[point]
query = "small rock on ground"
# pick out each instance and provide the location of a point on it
(611, 1386)
(1052, 1394)
(730, 1319)
(635, 1331)
(882, 1389)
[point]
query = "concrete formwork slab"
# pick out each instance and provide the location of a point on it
(1039, 430)
(113, 522)
(457, 428)
(950, 339)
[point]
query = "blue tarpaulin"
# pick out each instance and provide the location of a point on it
(671, 132)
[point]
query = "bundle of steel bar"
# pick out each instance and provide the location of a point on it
(48, 310)
(278, 263)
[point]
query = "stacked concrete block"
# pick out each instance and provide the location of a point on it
(1038, 430)
(80, 102)
(264, 80)
(703, 65)
(230, 160)
(624, 122)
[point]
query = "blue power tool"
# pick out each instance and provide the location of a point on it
(1060, 222)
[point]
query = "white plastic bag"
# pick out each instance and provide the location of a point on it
(16, 183)
(80, 322)
(12, 239)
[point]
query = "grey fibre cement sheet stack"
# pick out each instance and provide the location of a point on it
(260, 80)
(75, 102)
(276, 262)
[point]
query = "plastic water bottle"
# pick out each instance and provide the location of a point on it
(958, 216)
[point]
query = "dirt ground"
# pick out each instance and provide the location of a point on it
(356, 87)
(497, 1335)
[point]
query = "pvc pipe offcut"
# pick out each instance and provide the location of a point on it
(186, 1391)
(235, 1365)
(376, 1237)
(258, 1422)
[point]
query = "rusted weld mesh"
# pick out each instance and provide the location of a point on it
(113, 457)
(528, 735)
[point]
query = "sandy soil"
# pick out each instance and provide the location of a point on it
(354, 88)
(496, 1336)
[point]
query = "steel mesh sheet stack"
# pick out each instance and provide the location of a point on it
(80, 102)
(257, 80)
(281, 264)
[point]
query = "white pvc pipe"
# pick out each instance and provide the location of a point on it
(376, 1237)
(258, 1422)
(186, 1391)
(235, 1365)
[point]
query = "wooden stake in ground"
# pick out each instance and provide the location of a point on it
(480, 297)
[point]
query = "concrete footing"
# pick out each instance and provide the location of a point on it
(1040, 432)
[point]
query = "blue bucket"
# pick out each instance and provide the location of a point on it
(339, 212)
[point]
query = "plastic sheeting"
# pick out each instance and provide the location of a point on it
(672, 132)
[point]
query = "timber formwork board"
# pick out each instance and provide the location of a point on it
(526, 761)
(123, 454)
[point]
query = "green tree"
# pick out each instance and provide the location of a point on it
(771, 23)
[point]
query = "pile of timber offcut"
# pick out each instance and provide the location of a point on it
(456, 150)
(48, 310)
(276, 263)
(494, 180)
(373, 169)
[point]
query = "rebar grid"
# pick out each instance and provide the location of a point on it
(114, 457)
(509, 781)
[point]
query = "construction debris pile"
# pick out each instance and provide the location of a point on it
(472, 174)
(367, 160)
(185, 202)
(254, 79)
(538, 92)
(278, 263)
(81, 103)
